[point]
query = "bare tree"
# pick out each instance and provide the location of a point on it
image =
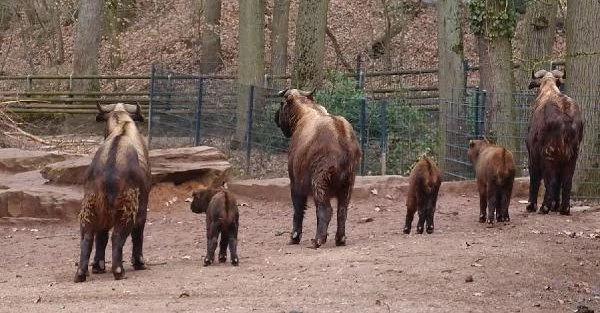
(87, 44)
(309, 49)
(211, 58)
(583, 84)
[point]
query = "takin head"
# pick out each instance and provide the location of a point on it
(295, 103)
(541, 76)
(475, 147)
(117, 113)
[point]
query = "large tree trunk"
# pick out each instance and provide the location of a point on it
(251, 60)
(537, 39)
(87, 44)
(211, 58)
(583, 84)
(279, 39)
(309, 48)
(451, 75)
(57, 43)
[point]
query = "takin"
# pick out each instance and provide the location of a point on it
(495, 173)
(323, 156)
(116, 188)
(553, 138)
(222, 217)
(423, 186)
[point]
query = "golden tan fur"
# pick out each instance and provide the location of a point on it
(424, 184)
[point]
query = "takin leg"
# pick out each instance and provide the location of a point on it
(99, 265)
(430, 211)
(87, 239)
(137, 235)
(212, 235)
(233, 233)
(535, 178)
(505, 202)
(411, 209)
(223, 246)
(324, 213)
(421, 221)
(482, 201)
(492, 205)
(342, 213)
(567, 183)
(551, 184)
(119, 235)
(299, 202)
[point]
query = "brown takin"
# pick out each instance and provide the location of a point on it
(116, 188)
(222, 217)
(554, 135)
(424, 184)
(323, 156)
(495, 173)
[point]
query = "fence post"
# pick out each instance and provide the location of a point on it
(466, 69)
(481, 114)
(169, 91)
(363, 133)
(150, 103)
(27, 85)
(249, 130)
(359, 73)
(199, 110)
(384, 136)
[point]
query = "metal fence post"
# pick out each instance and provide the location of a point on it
(384, 136)
(360, 75)
(249, 130)
(199, 110)
(150, 103)
(481, 115)
(363, 133)
(465, 75)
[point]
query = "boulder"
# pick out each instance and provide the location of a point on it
(16, 160)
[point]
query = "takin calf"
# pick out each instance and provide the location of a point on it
(554, 135)
(323, 155)
(495, 172)
(424, 184)
(222, 217)
(116, 188)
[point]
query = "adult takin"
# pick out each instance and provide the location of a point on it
(222, 217)
(323, 155)
(423, 185)
(553, 138)
(116, 188)
(495, 173)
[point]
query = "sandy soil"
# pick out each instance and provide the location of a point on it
(535, 264)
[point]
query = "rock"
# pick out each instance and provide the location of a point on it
(68, 172)
(17, 160)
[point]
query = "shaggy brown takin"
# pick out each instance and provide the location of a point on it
(424, 184)
(554, 135)
(222, 217)
(116, 188)
(495, 173)
(322, 159)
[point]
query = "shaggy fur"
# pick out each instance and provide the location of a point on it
(116, 188)
(495, 172)
(554, 135)
(424, 184)
(222, 217)
(322, 159)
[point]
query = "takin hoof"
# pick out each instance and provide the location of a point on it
(207, 262)
(531, 207)
(316, 243)
(295, 238)
(235, 261)
(118, 273)
(489, 222)
(429, 230)
(340, 241)
(543, 210)
(565, 211)
(99, 268)
(482, 219)
(419, 230)
(139, 266)
(80, 276)
(406, 230)
(222, 259)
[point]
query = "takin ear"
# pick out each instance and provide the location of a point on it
(100, 117)
(534, 83)
(471, 143)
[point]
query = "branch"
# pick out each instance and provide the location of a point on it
(338, 50)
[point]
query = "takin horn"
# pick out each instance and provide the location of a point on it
(282, 92)
(540, 73)
(105, 108)
(557, 74)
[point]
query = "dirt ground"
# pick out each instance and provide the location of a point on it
(537, 263)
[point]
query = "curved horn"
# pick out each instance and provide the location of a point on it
(540, 73)
(131, 108)
(105, 108)
(282, 92)
(307, 94)
(557, 74)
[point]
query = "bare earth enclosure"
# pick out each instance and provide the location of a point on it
(536, 263)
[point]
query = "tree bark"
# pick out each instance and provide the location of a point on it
(583, 84)
(338, 50)
(280, 38)
(211, 58)
(87, 44)
(251, 60)
(537, 39)
(309, 49)
(58, 44)
(451, 74)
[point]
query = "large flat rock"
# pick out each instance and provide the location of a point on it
(16, 160)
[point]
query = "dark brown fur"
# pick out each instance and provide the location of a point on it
(495, 173)
(222, 217)
(116, 188)
(554, 135)
(424, 184)
(322, 160)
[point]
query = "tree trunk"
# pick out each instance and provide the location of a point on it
(211, 58)
(251, 60)
(87, 44)
(583, 84)
(309, 49)
(279, 39)
(451, 74)
(537, 39)
(58, 44)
